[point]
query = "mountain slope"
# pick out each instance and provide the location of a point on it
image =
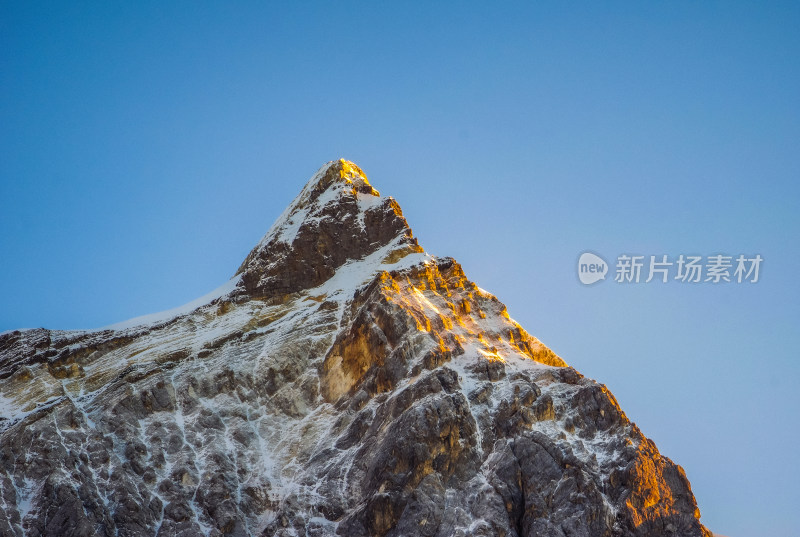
(343, 382)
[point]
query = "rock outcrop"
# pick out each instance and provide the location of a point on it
(344, 382)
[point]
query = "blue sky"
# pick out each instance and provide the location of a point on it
(146, 148)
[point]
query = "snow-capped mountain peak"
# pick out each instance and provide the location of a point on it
(337, 217)
(344, 382)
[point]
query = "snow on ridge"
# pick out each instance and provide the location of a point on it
(296, 202)
(11, 330)
(288, 223)
(158, 317)
(285, 228)
(355, 273)
(347, 278)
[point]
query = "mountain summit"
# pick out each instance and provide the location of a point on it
(338, 217)
(343, 382)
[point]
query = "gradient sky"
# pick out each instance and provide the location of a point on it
(145, 147)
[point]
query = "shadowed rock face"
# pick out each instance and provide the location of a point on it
(316, 237)
(343, 383)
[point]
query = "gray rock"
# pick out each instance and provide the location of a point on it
(345, 384)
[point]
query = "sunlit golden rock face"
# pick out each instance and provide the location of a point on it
(352, 174)
(344, 382)
(657, 490)
(439, 301)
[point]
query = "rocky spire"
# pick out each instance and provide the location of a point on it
(337, 217)
(369, 390)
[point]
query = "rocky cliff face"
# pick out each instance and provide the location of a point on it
(342, 383)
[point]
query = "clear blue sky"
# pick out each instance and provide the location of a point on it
(145, 147)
